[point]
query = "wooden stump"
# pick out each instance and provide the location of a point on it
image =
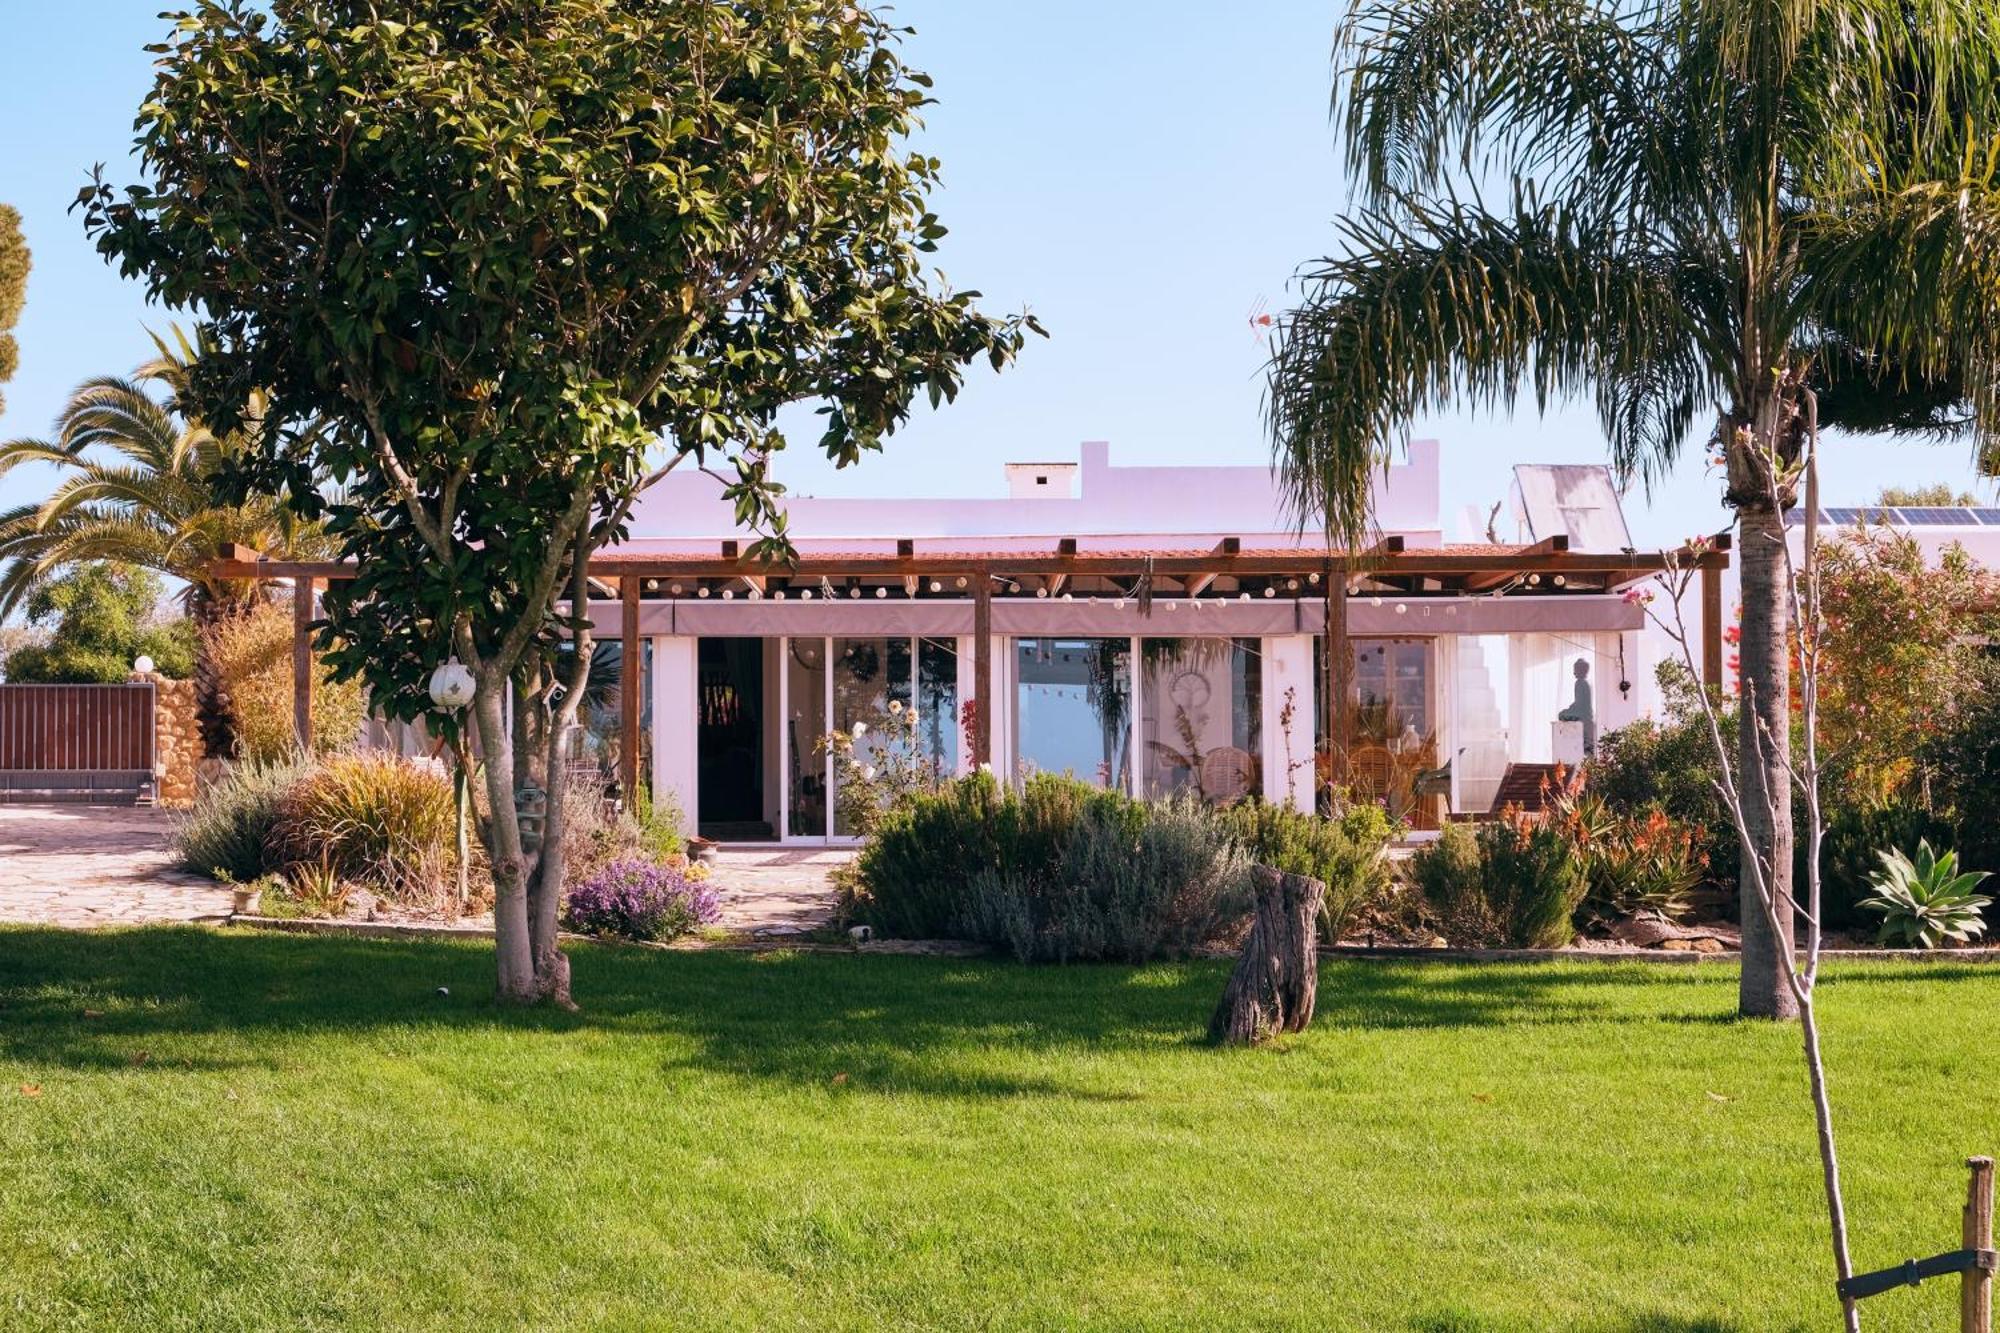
(1276, 980)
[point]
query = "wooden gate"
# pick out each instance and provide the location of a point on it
(76, 742)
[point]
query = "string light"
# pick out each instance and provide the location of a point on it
(704, 591)
(675, 590)
(881, 592)
(729, 594)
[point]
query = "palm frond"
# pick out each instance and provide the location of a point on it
(1438, 304)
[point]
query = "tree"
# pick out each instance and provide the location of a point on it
(1704, 202)
(142, 484)
(520, 257)
(1939, 495)
(100, 619)
(14, 262)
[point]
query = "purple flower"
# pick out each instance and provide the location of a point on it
(641, 900)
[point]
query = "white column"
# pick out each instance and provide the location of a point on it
(1288, 665)
(676, 724)
(967, 686)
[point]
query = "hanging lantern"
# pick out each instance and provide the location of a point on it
(451, 686)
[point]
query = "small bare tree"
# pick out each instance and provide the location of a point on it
(1801, 768)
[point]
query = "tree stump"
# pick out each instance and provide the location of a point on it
(1276, 980)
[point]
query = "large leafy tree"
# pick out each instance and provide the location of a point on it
(521, 255)
(14, 261)
(1686, 211)
(99, 619)
(143, 481)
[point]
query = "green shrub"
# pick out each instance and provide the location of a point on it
(1850, 857)
(1346, 854)
(226, 832)
(1515, 883)
(1121, 889)
(1059, 870)
(1669, 766)
(375, 819)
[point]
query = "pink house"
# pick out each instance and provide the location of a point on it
(1162, 629)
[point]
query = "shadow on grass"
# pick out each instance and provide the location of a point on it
(78, 1000)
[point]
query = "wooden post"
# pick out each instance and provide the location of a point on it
(1340, 673)
(1975, 1284)
(982, 669)
(1711, 627)
(302, 663)
(631, 680)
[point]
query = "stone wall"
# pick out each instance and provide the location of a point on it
(176, 740)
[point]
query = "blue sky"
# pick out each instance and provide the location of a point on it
(1145, 177)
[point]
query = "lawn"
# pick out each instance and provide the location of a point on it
(239, 1130)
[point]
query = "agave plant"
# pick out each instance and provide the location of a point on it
(1926, 902)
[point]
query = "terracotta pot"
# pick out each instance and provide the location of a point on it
(244, 900)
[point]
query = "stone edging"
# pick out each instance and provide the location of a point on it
(969, 949)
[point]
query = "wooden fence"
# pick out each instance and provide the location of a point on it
(76, 741)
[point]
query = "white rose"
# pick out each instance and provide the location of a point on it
(895, 705)
(868, 773)
(860, 730)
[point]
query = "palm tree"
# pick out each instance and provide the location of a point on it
(1704, 204)
(143, 483)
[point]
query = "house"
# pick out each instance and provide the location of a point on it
(1160, 629)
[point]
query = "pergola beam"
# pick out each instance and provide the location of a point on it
(1546, 546)
(1615, 565)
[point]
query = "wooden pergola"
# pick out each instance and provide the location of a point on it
(1226, 572)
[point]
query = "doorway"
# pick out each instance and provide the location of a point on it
(729, 749)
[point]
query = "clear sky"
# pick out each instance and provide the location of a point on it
(1144, 176)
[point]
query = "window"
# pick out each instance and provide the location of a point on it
(1073, 709)
(1202, 702)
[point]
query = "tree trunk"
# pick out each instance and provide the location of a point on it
(214, 712)
(1276, 980)
(516, 981)
(1764, 740)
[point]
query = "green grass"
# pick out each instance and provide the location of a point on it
(274, 1131)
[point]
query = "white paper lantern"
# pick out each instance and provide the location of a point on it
(451, 685)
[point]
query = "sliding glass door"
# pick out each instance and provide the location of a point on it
(899, 692)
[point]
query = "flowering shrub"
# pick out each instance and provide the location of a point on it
(879, 769)
(640, 900)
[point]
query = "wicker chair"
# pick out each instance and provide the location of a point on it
(1228, 773)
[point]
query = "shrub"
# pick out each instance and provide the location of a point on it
(595, 833)
(377, 819)
(1060, 870)
(1346, 854)
(1516, 883)
(1669, 766)
(226, 832)
(252, 653)
(1637, 863)
(1121, 889)
(640, 900)
(1927, 902)
(1850, 856)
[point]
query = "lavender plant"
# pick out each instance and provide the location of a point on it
(641, 900)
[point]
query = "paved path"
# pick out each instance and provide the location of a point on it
(83, 865)
(776, 890)
(88, 865)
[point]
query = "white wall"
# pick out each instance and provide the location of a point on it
(676, 688)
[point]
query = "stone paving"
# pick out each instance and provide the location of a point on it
(83, 865)
(776, 891)
(90, 865)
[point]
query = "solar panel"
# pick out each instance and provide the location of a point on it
(1851, 517)
(1796, 518)
(1936, 516)
(1991, 516)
